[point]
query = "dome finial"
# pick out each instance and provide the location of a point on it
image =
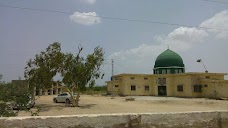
(168, 46)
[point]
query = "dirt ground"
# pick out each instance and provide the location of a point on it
(142, 104)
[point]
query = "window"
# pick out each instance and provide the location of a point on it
(116, 86)
(180, 88)
(197, 88)
(145, 78)
(168, 71)
(147, 88)
(158, 81)
(157, 72)
(176, 71)
(63, 94)
(162, 81)
(133, 87)
(132, 78)
(205, 85)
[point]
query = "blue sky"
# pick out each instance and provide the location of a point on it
(134, 46)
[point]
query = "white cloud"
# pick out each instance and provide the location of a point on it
(132, 60)
(182, 40)
(219, 21)
(185, 34)
(141, 53)
(88, 1)
(89, 18)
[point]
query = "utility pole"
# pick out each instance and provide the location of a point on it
(112, 79)
(112, 67)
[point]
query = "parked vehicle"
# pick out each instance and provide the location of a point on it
(25, 104)
(63, 97)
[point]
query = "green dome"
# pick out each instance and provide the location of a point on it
(169, 58)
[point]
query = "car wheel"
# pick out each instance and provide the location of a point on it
(55, 100)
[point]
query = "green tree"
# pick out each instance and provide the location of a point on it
(76, 71)
(9, 97)
(40, 71)
(5, 99)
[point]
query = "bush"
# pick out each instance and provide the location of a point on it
(100, 88)
(96, 90)
(11, 94)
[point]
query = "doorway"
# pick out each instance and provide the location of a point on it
(162, 91)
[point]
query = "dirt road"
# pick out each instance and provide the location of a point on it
(142, 104)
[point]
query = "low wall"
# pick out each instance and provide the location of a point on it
(216, 119)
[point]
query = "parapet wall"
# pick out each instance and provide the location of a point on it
(215, 119)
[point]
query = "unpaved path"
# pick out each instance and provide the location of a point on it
(142, 104)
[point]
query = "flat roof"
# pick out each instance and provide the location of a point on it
(188, 73)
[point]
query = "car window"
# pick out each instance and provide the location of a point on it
(64, 94)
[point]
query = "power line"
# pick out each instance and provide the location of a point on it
(115, 18)
(214, 1)
(35, 9)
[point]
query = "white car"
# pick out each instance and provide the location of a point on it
(63, 97)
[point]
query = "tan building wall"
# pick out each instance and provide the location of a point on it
(140, 82)
(143, 83)
(215, 88)
(114, 87)
(178, 85)
(184, 81)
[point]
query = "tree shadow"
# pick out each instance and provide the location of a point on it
(86, 106)
(60, 106)
(47, 107)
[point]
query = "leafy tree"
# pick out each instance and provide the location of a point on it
(5, 99)
(76, 71)
(9, 97)
(40, 71)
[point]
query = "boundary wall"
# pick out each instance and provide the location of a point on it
(212, 119)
